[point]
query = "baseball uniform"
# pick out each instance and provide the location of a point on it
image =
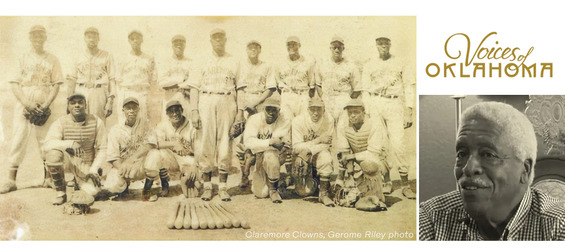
(174, 71)
(36, 75)
(216, 83)
(389, 88)
(93, 75)
(295, 79)
(254, 79)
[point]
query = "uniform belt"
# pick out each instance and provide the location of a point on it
(217, 93)
(296, 91)
(384, 95)
(92, 86)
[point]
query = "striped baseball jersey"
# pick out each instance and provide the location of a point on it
(122, 143)
(365, 143)
(389, 77)
(174, 71)
(296, 75)
(165, 131)
(304, 130)
(258, 133)
(216, 74)
(90, 134)
(337, 77)
(38, 70)
(137, 71)
(539, 217)
(92, 70)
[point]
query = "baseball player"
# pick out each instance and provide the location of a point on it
(336, 78)
(76, 145)
(214, 107)
(362, 152)
(264, 137)
(172, 141)
(137, 77)
(174, 72)
(311, 140)
(93, 75)
(35, 86)
(127, 149)
(389, 87)
(295, 78)
(256, 83)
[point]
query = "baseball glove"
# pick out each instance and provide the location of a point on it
(37, 118)
(237, 129)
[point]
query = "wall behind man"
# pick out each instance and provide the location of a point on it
(437, 131)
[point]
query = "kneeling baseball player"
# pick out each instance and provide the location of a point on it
(264, 139)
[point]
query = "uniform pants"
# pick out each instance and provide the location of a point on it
(96, 99)
(294, 104)
(75, 169)
(217, 114)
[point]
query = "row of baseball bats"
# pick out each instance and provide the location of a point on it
(195, 213)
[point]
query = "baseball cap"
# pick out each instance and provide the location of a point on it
(76, 95)
(293, 39)
(354, 103)
(337, 38)
(37, 28)
(173, 103)
(130, 99)
(254, 42)
(91, 30)
(216, 31)
(135, 32)
(178, 37)
(273, 101)
(384, 39)
(316, 101)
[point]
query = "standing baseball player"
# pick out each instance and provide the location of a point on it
(35, 86)
(76, 145)
(311, 140)
(296, 80)
(137, 77)
(389, 88)
(214, 107)
(362, 153)
(174, 72)
(264, 137)
(127, 149)
(93, 75)
(172, 142)
(256, 83)
(336, 78)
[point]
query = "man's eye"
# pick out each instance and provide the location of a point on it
(461, 154)
(489, 155)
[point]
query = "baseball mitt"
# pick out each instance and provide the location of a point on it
(237, 129)
(37, 118)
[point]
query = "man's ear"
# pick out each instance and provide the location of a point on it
(526, 172)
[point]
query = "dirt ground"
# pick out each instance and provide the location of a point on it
(29, 209)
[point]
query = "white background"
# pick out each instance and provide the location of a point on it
(518, 23)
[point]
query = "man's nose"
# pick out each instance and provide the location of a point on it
(473, 166)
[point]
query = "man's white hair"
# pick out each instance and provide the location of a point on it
(517, 131)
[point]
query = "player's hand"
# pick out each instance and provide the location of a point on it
(408, 118)
(95, 179)
(276, 142)
(240, 117)
(76, 150)
(177, 147)
(338, 185)
(108, 107)
(195, 118)
(325, 139)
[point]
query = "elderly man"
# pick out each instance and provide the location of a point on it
(494, 167)
(76, 145)
(256, 83)
(265, 137)
(174, 72)
(93, 75)
(214, 107)
(389, 87)
(361, 153)
(126, 149)
(336, 78)
(173, 149)
(137, 77)
(311, 140)
(295, 78)
(35, 86)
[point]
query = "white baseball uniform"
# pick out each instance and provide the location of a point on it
(174, 71)
(389, 88)
(93, 75)
(295, 79)
(36, 75)
(304, 130)
(254, 79)
(136, 77)
(337, 80)
(216, 82)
